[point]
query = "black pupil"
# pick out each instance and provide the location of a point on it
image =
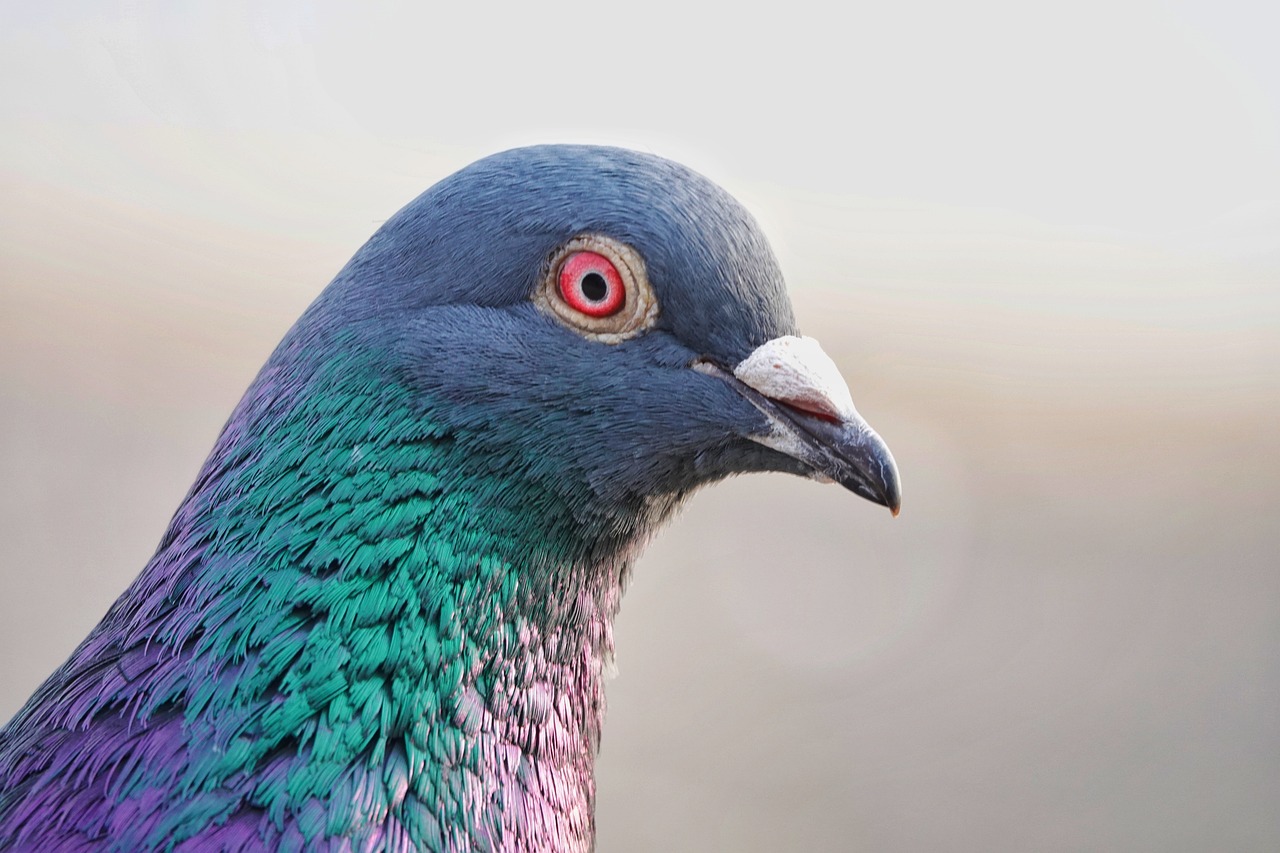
(594, 287)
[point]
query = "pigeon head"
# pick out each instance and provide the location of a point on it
(382, 617)
(606, 325)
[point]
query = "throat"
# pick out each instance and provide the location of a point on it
(511, 750)
(495, 731)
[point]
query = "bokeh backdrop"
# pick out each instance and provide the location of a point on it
(1042, 240)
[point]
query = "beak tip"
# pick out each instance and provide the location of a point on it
(889, 486)
(893, 500)
(883, 490)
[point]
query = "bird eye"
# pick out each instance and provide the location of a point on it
(598, 287)
(590, 283)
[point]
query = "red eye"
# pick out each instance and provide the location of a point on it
(590, 283)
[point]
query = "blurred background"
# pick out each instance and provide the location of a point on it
(1041, 240)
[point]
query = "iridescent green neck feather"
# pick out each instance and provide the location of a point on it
(396, 613)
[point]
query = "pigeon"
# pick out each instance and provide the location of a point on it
(381, 619)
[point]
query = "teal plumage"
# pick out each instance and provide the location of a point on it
(381, 617)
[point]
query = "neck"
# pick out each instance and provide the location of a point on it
(358, 617)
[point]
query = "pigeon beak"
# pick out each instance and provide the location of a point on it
(812, 419)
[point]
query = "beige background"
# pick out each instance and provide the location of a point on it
(1042, 241)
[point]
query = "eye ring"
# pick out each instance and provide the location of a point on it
(598, 287)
